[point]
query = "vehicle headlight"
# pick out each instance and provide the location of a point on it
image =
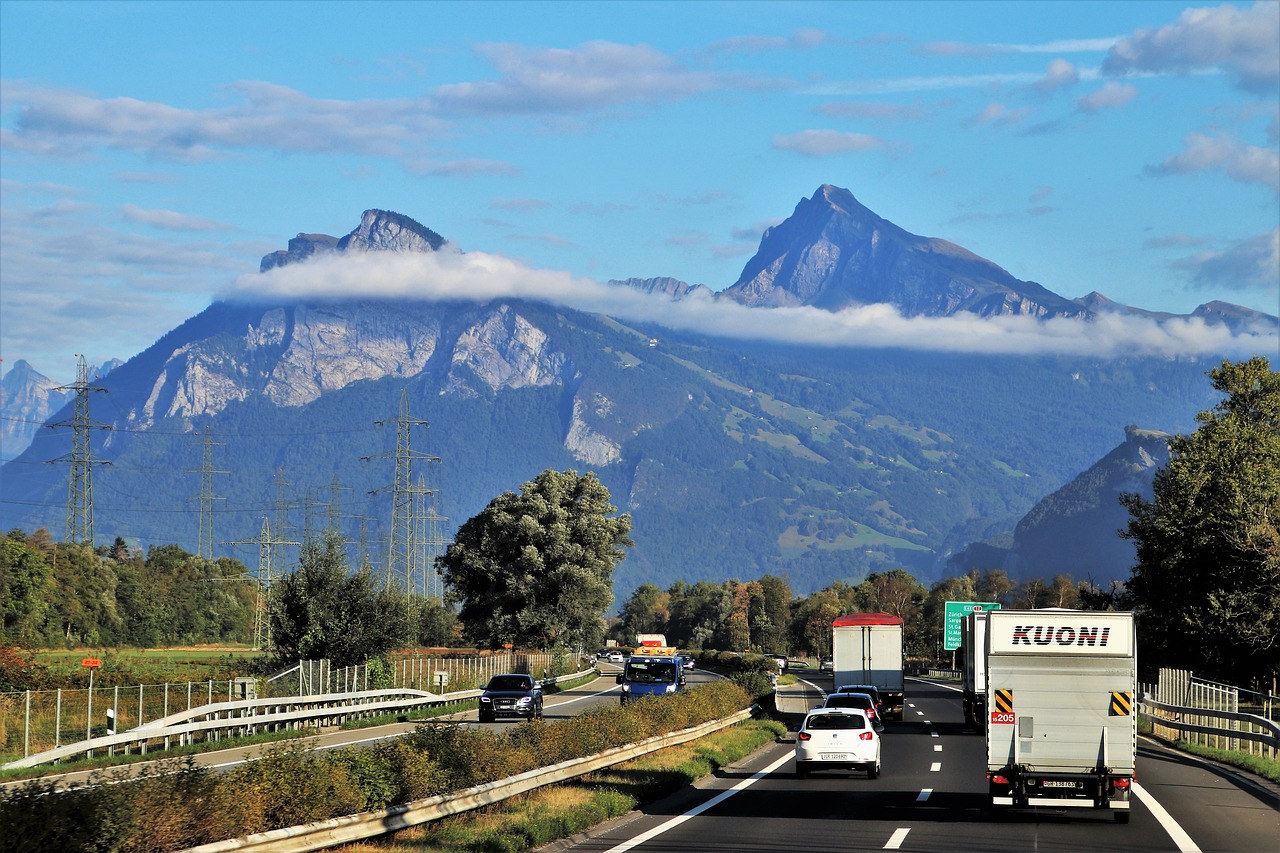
(485, 699)
(626, 688)
(524, 700)
(671, 688)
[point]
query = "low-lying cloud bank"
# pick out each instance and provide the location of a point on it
(452, 276)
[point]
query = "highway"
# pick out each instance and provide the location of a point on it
(932, 796)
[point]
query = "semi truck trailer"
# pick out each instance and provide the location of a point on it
(866, 648)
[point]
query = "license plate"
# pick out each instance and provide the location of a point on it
(834, 756)
(1054, 783)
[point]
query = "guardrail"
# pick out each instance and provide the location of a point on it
(250, 716)
(358, 827)
(1270, 737)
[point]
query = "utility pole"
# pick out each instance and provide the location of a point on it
(400, 553)
(261, 618)
(206, 471)
(80, 480)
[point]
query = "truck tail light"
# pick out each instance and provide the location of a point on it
(866, 736)
(1121, 781)
(804, 736)
(997, 779)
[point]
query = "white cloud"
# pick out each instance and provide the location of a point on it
(1246, 42)
(170, 220)
(1110, 96)
(996, 113)
(450, 276)
(1252, 263)
(1060, 74)
(874, 111)
(1242, 162)
(978, 50)
(827, 143)
(595, 75)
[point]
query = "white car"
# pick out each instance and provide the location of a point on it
(615, 657)
(837, 739)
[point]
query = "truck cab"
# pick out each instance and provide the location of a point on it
(651, 670)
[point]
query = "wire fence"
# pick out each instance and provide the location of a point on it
(34, 721)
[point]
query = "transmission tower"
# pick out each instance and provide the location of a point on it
(80, 480)
(400, 554)
(206, 472)
(261, 618)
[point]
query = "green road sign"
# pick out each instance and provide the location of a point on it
(955, 612)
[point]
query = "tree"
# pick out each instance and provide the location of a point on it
(1206, 580)
(321, 611)
(647, 611)
(536, 569)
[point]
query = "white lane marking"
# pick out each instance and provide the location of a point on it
(933, 734)
(919, 713)
(588, 696)
(911, 704)
(923, 795)
(694, 812)
(937, 747)
(935, 767)
(1176, 832)
(935, 684)
(895, 840)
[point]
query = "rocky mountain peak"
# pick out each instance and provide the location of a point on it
(378, 231)
(834, 252)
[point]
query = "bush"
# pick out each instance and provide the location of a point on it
(756, 684)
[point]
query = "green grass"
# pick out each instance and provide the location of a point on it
(559, 811)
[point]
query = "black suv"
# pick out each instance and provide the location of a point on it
(511, 695)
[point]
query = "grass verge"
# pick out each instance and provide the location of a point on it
(559, 811)
(1267, 768)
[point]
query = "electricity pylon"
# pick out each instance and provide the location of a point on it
(206, 471)
(261, 618)
(400, 554)
(80, 480)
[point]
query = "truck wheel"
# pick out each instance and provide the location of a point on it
(1122, 817)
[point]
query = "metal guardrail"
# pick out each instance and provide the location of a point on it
(345, 830)
(250, 716)
(1270, 738)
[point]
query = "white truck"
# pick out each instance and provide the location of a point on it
(1060, 717)
(973, 667)
(866, 648)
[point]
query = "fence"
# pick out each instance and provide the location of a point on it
(1218, 716)
(39, 720)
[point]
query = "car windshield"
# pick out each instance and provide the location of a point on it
(510, 682)
(651, 672)
(836, 721)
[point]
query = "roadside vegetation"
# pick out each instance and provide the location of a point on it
(179, 805)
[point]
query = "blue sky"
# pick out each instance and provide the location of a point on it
(151, 153)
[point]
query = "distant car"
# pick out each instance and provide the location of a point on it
(511, 695)
(869, 689)
(861, 701)
(615, 657)
(688, 661)
(826, 665)
(781, 660)
(837, 739)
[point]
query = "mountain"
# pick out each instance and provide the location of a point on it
(28, 399)
(735, 458)
(833, 252)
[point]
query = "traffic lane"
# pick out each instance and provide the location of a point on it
(1221, 811)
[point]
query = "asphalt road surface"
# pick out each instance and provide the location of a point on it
(932, 796)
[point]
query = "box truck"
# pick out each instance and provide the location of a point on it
(1060, 722)
(866, 648)
(973, 667)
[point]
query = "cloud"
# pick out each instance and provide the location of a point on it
(803, 39)
(470, 169)
(592, 76)
(450, 276)
(523, 205)
(267, 116)
(995, 113)
(1252, 263)
(827, 143)
(1060, 74)
(1173, 241)
(1110, 96)
(169, 220)
(981, 51)
(1242, 162)
(874, 111)
(1245, 42)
